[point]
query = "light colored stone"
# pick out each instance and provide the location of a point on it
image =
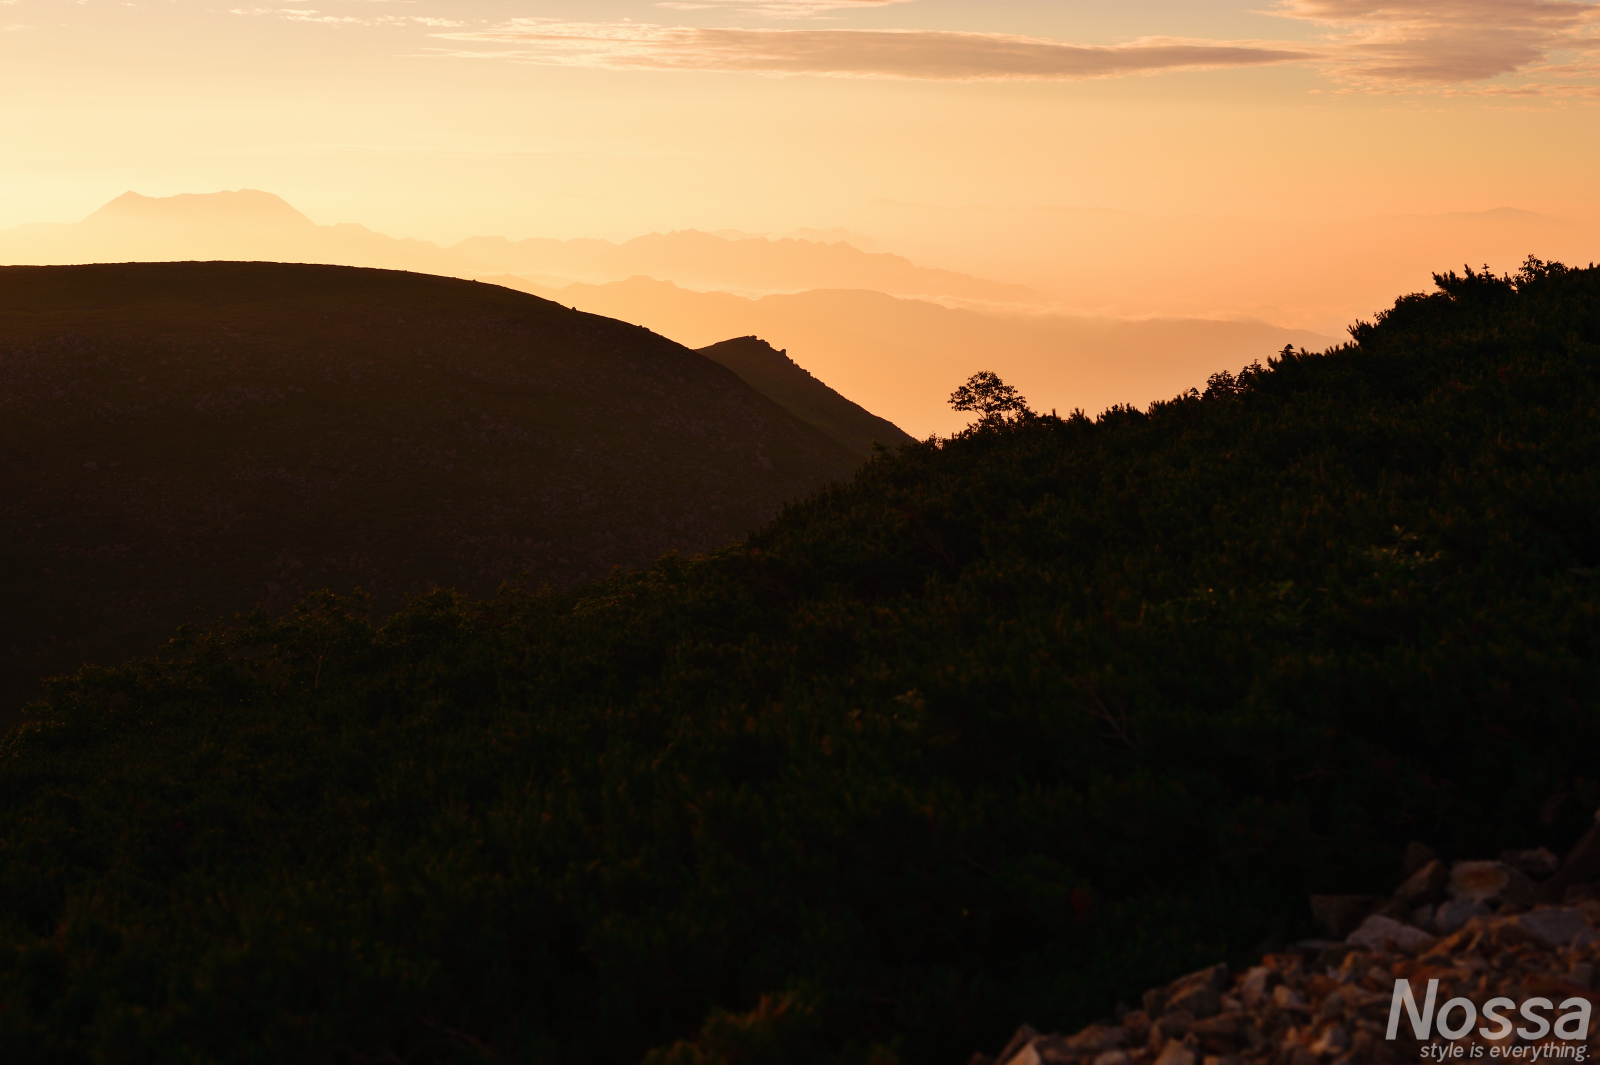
(1377, 933)
(1096, 1038)
(1176, 1053)
(1425, 885)
(1199, 993)
(1538, 863)
(1287, 998)
(1490, 883)
(1257, 984)
(1020, 1041)
(1558, 926)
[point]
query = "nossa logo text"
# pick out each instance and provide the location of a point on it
(1458, 1016)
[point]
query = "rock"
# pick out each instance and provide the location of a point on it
(1175, 1024)
(1426, 885)
(1028, 1055)
(1328, 1004)
(1490, 883)
(1378, 933)
(1097, 1038)
(1199, 993)
(1451, 916)
(1050, 1050)
(1422, 917)
(1339, 915)
(1025, 1035)
(1417, 856)
(1333, 1040)
(1562, 926)
(1223, 1034)
(1176, 1053)
(1332, 1007)
(1287, 998)
(1538, 863)
(1257, 984)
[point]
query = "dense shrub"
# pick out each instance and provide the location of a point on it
(1013, 724)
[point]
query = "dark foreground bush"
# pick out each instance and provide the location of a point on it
(1011, 725)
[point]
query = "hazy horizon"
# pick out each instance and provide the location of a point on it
(889, 334)
(1297, 163)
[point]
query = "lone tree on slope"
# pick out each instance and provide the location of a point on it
(994, 401)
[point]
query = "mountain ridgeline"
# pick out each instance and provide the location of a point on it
(178, 437)
(775, 375)
(1013, 724)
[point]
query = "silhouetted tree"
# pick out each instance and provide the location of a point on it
(995, 401)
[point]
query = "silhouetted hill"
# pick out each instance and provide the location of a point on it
(214, 436)
(1015, 724)
(775, 375)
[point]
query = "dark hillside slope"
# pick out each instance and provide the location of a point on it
(1012, 725)
(776, 376)
(176, 436)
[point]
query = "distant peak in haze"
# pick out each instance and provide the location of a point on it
(245, 207)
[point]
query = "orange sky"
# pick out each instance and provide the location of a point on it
(1284, 159)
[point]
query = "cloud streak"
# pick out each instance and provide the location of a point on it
(779, 8)
(1434, 43)
(936, 55)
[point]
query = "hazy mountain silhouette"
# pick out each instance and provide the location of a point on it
(254, 225)
(221, 435)
(243, 209)
(776, 376)
(900, 358)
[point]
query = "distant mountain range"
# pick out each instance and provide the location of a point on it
(901, 358)
(253, 225)
(218, 436)
(888, 334)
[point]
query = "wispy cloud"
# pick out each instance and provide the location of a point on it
(306, 14)
(779, 8)
(918, 54)
(1448, 42)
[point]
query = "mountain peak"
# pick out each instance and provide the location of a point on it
(244, 207)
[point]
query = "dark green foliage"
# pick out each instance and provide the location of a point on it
(991, 398)
(1011, 726)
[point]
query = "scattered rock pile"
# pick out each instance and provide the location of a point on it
(1523, 927)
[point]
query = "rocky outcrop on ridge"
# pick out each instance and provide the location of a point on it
(1523, 927)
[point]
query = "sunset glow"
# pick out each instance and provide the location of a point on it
(1295, 162)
